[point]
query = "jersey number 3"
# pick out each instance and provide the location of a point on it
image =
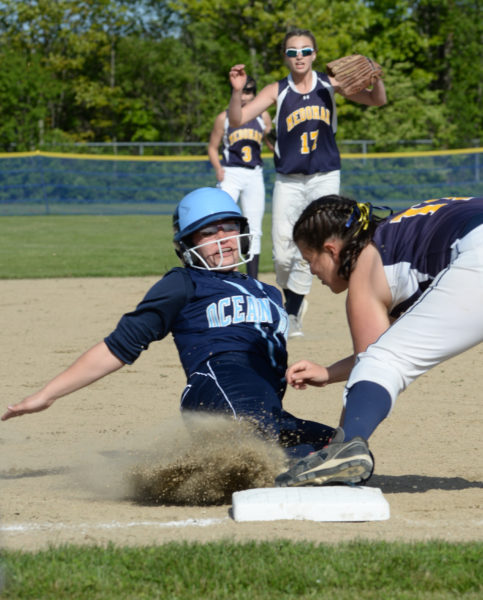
(246, 154)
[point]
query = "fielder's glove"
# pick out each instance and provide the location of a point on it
(354, 73)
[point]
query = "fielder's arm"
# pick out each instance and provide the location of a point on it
(238, 114)
(375, 96)
(305, 372)
(214, 145)
(268, 128)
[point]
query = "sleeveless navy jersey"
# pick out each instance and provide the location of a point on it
(306, 125)
(242, 146)
(209, 313)
(416, 244)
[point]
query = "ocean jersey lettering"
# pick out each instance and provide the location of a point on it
(230, 312)
(238, 309)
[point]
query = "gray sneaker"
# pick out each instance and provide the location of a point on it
(339, 462)
(295, 321)
(294, 327)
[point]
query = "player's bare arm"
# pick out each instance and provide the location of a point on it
(94, 364)
(214, 145)
(375, 96)
(305, 372)
(368, 299)
(238, 114)
(268, 128)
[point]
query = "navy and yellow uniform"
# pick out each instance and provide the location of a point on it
(432, 255)
(242, 146)
(230, 332)
(418, 243)
(307, 162)
(306, 125)
(243, 176)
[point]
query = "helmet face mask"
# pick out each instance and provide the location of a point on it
(192, 255)
(199, 209)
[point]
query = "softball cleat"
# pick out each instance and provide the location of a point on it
(348, 462)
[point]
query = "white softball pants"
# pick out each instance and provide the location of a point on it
(291, 194)
(247, 185)
(445, 321)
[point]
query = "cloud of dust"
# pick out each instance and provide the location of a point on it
(197, 460)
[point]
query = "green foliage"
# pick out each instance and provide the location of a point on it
(249, 571)
(151, 70)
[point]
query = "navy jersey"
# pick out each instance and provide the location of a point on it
(208, 313)
(306, 125)
(242, 146)
(416, 244)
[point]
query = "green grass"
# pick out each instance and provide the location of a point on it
(93, 246)
(251, 571)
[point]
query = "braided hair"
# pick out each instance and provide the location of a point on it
(335, 216)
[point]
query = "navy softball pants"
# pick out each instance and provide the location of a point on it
(245, 386)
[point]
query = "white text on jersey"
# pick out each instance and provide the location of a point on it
(244, 309)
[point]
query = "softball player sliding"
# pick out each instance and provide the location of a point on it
(229, 330)
(307, 159)
(240, 171)
(414, 299)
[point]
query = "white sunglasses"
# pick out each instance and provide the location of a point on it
(293, 52)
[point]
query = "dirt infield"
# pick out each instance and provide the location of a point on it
(62, 472)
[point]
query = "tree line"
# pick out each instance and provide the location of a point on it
(154, 70)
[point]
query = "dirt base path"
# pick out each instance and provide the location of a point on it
(61, 471)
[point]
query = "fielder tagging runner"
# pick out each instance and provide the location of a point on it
(414, 285)
(229, 329)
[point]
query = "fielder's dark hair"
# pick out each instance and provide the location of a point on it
(297, 33)
(250, 85)
(337, 216)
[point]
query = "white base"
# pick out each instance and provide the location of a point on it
(330, 503)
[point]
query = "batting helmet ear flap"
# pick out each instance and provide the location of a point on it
(245, 240)
(183, 253)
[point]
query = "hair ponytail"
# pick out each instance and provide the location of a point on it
(336, 216)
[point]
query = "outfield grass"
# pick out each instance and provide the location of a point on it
(250, 571)
(93, 246)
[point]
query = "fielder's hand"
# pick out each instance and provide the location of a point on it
(238, 77)
(304, 373)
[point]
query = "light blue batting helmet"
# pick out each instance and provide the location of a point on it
(202, 207)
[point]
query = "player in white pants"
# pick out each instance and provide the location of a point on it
(291, 194)
(248, 187)
(414, 287)
(305, 154)
(240, 172)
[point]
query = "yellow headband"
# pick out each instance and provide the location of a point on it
(362, 212)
